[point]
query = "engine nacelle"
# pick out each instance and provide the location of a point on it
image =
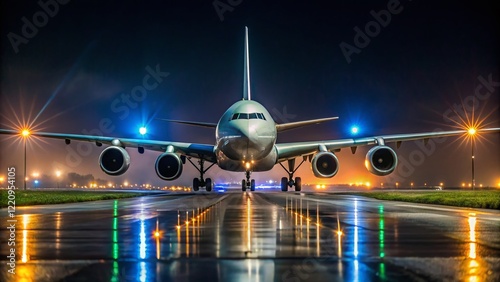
(381, 160)
(114, 160)
(168, 166)
(325, 165)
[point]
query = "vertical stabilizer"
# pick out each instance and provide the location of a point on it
(246, 71)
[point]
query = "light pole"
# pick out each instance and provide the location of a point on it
(25, 134)
(472, 165)
(58, 175)
(472, 132)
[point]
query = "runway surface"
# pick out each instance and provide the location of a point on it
(253, 237)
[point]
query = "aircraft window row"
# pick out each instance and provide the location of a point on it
(248, 116)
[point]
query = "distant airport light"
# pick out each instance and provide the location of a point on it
(354, 130)
(143, 130)
(472, 131)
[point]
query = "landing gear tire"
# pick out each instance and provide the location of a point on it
(196, 184)
(284, 184)
(243, 185)
(252, 185)
(201, 182)
(289, 182)
(298, 184)
(208, 184)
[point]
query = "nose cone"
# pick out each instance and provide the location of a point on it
(248, 141)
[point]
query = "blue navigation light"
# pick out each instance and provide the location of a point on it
(143, 130)
(354, 130)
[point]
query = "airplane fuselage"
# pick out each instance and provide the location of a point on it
(245, 138)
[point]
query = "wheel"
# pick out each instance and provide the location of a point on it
(243, 185)
(284, 184)
(298, 184)
(196, 184)
(252, 185)
(208, 184)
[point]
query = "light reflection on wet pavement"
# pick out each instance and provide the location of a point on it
(254, 237)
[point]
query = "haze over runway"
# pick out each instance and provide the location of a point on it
(255, 236)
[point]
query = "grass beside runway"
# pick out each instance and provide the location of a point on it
(29, 197)
(469, 199)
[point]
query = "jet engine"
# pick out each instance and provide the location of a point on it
(325, 164)
(114, 160)
(168, 166)
(381, 160)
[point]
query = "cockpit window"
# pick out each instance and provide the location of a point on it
(248, 116)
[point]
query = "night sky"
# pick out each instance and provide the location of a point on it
(427, 60)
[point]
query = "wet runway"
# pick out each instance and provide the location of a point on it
(253, 237)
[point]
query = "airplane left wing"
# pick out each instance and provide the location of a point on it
(200, 151)
(288, 151)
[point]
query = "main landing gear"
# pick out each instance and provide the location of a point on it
(248, 184)
(289, 182)
(201, 182)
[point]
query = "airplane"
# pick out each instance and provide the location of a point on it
(245, 141)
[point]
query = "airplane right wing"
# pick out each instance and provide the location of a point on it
(297, 149)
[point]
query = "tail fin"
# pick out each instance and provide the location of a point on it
(246, 71)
